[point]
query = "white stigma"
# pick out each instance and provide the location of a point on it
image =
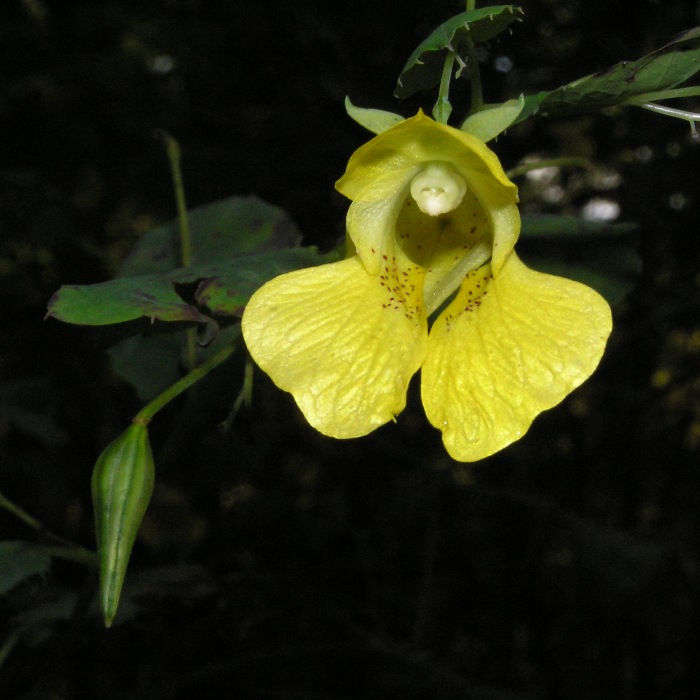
(438, 189)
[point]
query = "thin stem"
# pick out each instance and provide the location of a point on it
(547, 163)
(244, 398)
(21, 514)
(66, 549)
(690, 117)
(477, 90)
(76, 554)
(7, 647)
(675, 93)
(145, 415)
(671, 111)
(443, 108)
(172, 149)
(647, 101)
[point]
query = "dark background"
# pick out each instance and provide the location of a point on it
(274, 562)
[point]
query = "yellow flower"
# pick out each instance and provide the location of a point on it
(432, 213)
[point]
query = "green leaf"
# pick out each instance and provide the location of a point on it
(489, 123)
(224, 288)
(122, 299)
(601, 255)
(20, 561)
(374, 120)
(237, 244)
(222, 229)
(423, 69)
(663, 69)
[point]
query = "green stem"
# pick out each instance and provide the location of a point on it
(671, 111)
(443, 108)
(172, 149)
(675, 93)
(7, 647)
(547, 163)
(65, 549)
(690, 117)
(471, 5)
(145, 415)
(21, 514)
(76, 554)
(647, 101)
(473, 63)
(244, 398)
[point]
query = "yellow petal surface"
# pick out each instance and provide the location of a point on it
(343, 342)
(371, 222)
(379, 173)
(446, 247)
(506, 349)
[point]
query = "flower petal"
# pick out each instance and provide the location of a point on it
(446, 247)
(379, 173)
(497, 360)
(371, 222)
(414, 141)
(341, 341)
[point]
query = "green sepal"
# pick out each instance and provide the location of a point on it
(122, 484)
(374, 120)
(490, 122)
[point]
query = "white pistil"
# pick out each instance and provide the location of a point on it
(438, 189)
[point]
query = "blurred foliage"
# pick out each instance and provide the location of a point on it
(274, 562)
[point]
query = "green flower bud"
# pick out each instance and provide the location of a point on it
(122, 484)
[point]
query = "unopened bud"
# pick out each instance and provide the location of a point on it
(122, 484)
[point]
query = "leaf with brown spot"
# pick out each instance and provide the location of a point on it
(120, 300)
(663, 69)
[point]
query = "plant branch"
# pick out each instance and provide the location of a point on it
(145, 415)
(65, 549)
(172, 150)
(547, 163)
(443, 108)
